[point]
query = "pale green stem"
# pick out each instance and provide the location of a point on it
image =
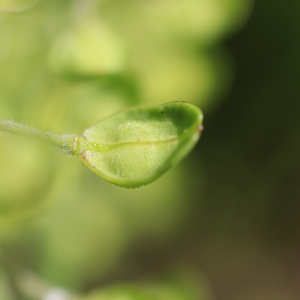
(63, 142)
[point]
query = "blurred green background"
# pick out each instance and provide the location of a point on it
(223, 224)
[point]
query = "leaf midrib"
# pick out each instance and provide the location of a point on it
(83, 144)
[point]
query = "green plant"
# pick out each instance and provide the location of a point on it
(133, 147)
(65, 65)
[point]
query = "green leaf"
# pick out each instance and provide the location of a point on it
(138, 145)
(126, 292)
(182, 284)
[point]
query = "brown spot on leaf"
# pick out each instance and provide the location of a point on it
(200, 127)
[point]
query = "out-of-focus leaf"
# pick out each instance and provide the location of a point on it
(90, 48)
(128, 292)
(30, 33)
(138, 145)
(181, 286)
(183, 75)
(205, 21)
(17, 6)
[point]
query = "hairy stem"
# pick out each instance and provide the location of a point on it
(63, 142)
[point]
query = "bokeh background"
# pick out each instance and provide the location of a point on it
(224, 223)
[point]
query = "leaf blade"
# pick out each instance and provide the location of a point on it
(138, 145)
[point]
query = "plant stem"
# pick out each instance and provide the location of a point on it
(63, 142)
